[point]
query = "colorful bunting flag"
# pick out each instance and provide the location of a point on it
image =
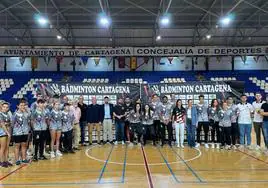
(84, 59)
(22, 60)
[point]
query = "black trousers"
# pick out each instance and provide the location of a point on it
(67, 139)
(149, 133)
(215, 134)
(39, 138)
(235, 133)
(135, 129)
(157, 125)
(205, 126)
(169, 128)
(225, 133)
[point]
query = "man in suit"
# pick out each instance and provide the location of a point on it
(94, 118)
(107, 111)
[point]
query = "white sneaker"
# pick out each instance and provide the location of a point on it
(115, 143)
(58, 153)
(182, 146)
(234, 147)
(29, 153)
(197, 145)
(52, 155)
(212, 145)
(257, 147)
(131, 144)
(123, 143)
(206, 146)
(139, 144)
(218, 146)
(178, 145)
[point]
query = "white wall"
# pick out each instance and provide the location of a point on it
(13, 64)
(221, 63)
(250, 63)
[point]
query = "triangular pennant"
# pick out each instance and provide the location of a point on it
(34, 62)
(80, 63)
(121, 62)
(195, 60)
(266, 57)
(146, 60)
(59, 59)
(73, 63)
(84, 59)
(158, 59)
(133, 63)
(22, 60)
(170, 59)
(47, 60)
(244, 59)
(109, 60)
(256, 58)
(96, 60)
(182, 58)
(218, 59)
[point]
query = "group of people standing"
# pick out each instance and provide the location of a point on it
(60, 123)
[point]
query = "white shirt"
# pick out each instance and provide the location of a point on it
(257, 106)
(189, 113)
(245, 111)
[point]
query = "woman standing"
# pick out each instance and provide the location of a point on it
(148, 125)
(225, 115)
(178, 119)
(135, 124)
(55, 129)
(6, 116)
(4, 135)
(214, 123)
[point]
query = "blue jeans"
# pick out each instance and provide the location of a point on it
(245, 131)
(82, 128)
(265, 131)
(190, 134)
(119, 130)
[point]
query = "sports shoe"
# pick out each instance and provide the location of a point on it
(9, 164)
(18, 163)
(131, 144)
(4, 164)
(234, 147)
(35, 158)
(123, 143)
(206, 146)
(197, 145)
(52, 155)
(218, 146)
(212, 145)
(257, 147)
(182, 146)
(29, 153)
(139, 144)
(26, 161)
(115, 143)
(178, 145)
(58, 153)
(42, 158)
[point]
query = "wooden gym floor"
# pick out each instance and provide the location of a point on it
(121, 166)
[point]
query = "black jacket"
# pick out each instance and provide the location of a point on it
(94, 113)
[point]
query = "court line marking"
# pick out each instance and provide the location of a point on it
(169, 168)
(149, 177)
(252, 156)
(124, 166)
(141, 164)
(93, 183)
(188, 166)
(13, 172)
(105, 164)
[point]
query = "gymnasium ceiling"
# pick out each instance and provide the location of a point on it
(134, 22)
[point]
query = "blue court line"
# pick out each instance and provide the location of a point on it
(124, 167)
(170, 169)
(104, 166)
(188, 166)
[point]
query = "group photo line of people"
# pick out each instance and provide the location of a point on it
(49, 128)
